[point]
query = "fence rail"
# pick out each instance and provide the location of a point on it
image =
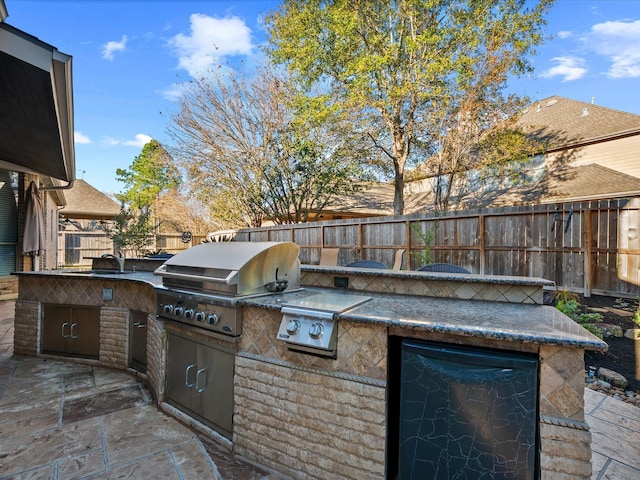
(587, 247)
(77, 248)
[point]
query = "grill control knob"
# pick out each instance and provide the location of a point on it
(200, 316)
(213, 319)
(177, 311)
(316, 330)
(293, 327)
(188, 313)
(168, 308)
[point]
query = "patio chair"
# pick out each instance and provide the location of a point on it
(329, 257)
(367, 264)
(399, 258)
(442, 267)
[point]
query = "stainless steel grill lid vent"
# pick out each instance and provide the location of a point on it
(232, 268)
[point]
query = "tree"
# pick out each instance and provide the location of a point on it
(409, 66)
(476, 143)
(131, 231)
(152, 173)
(250, 156)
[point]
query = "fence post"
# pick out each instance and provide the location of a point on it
(587, 251)
(482, 251)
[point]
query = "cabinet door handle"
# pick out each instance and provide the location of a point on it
(64, 335)
(200, 389)
(71, 330)
(139, 324)
(186, 376)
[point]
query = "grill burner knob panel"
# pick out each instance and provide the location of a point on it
(293, 327)
(201, 311)
(316, 330)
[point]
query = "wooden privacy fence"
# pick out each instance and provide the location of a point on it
(586, 247)
(77, 248)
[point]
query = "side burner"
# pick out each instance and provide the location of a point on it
(307, 323)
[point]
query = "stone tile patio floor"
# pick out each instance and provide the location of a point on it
(61, 420)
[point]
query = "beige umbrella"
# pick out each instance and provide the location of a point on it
(33, 239)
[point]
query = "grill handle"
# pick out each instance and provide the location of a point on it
(231, 279)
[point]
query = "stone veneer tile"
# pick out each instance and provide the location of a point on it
(567, 401)
(194, 466)
(139, 432)
(43, 388)
(34, 421)
(552, 380)
(103, 403)
(160, 465)
(562, 382)
(82, 466)
(515, 294)
(617, 443)
(466, 292)
(48, 446)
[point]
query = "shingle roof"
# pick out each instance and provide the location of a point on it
(563, 122)
(563, 184)
(86, 202)
(374, 199)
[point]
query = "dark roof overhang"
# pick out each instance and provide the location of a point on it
(36, 106)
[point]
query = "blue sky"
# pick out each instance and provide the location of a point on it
(129, 57)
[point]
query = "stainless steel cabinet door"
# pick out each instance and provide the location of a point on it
(85, 332)
(71, 330)
(181, 370)
(213, 391)
(56, 328)
(138, 341)
(200, 380)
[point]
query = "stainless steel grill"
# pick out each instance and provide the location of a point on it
(202, 285)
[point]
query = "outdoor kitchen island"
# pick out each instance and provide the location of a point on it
(311, 415)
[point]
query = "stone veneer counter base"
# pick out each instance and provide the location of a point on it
(278, 393)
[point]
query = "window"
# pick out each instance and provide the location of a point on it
(8, 222)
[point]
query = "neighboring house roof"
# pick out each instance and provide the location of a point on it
(564, 184)
(86, 202)
(561, 122)
(375, 199)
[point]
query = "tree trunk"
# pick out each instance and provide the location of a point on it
(398, 194)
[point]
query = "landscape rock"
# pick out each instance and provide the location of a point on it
(608, 330)
(612, 392)
(613, 378)
(618, 311)
(633, 334)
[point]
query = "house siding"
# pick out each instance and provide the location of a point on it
(621, 155)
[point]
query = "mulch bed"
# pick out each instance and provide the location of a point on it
(621, 356)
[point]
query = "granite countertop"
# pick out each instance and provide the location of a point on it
(511, 322)
(524, 323)
(128, 275)
(437, 276)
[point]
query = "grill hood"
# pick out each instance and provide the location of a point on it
(233, 268)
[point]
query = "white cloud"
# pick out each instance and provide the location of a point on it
(79, 137)
(140, 140)
(210, 40)
(109, 48)
(569, 68)
(620, 42)
(565, 34)
(173, 93)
